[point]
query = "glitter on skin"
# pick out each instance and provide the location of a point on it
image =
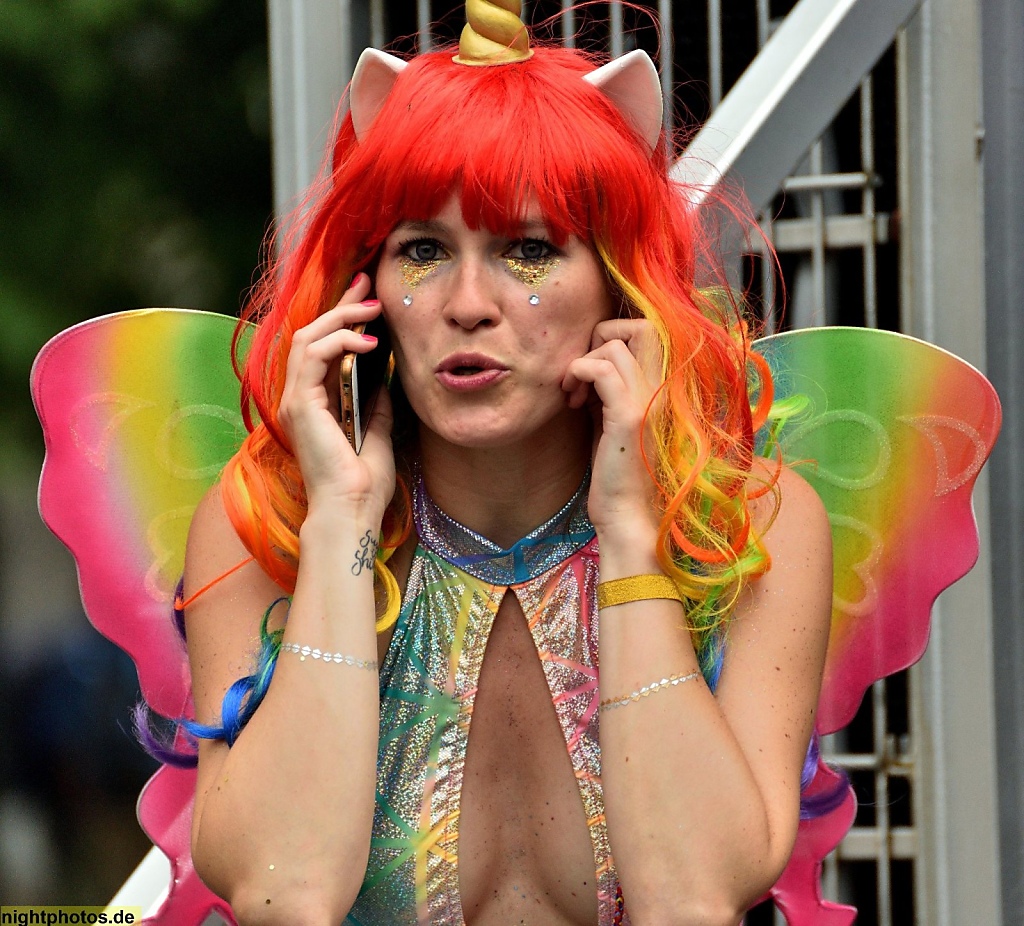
(415, 272)
(532, 272)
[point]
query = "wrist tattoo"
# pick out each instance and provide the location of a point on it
(366, 554)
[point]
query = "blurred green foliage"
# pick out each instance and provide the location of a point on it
(134, 169)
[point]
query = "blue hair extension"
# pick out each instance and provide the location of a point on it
(179, 749)
(245, 696)
(711, 659)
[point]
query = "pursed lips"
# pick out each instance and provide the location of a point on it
(464, 372)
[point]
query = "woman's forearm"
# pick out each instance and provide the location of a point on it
(688, 824)
(283, 820)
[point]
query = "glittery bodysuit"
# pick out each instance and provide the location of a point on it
(428, 685)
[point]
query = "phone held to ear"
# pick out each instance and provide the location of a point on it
(362, 378)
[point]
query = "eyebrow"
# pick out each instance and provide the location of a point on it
(428, 227)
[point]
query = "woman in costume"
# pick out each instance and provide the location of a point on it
(426, 737)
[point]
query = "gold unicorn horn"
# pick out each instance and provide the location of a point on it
(494, 33)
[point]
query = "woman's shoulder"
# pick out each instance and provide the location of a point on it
(213, 545)
(791, 522)
(219, 571)
(784, 505)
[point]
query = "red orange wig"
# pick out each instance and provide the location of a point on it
(532, 131)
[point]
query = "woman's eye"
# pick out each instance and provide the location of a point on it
(424, 251)
(531, 249)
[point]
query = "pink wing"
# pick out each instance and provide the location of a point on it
(798, 892)
(139, 412)
(893, 440)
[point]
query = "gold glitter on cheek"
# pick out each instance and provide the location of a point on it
(532, 272)
(414, 272)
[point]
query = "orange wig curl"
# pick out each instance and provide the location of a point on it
(533, 131)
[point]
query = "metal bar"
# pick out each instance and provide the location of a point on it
(943, 244)
(830, 875)
(818, 308)
(846, 181)
(424, 39)
(615, 28)
(667, 60)
(763, 22)
(867, 843)
(310, 64)
(790, 93)
(377, 27)
(841, 231)
(882, 858)
(1002, 24)
(715, 50)
(768, 283)
(569, 23)
(867, 163)
(894, 766)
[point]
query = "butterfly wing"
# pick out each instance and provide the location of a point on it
(893, 437)
(140, 412)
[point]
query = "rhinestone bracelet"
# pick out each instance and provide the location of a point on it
(303, 651)
(647, 690)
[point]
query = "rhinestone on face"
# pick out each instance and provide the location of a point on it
(534, 299)
(407, 300)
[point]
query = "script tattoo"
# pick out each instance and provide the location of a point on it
(366, 554)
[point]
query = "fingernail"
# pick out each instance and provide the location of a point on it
(369, 337)
(369, 303)
(356, 280)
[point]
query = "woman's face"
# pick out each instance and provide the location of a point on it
(485, 326)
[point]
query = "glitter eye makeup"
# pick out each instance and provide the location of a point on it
(532, 272)
(414, 272)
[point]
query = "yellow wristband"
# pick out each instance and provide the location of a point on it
(636, 588)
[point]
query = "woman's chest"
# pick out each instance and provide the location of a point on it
(525, 851)
(489, 794)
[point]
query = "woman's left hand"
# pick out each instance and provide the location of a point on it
(624, 369)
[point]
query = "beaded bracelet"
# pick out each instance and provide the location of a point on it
(647, 690)
(303, 651)
(636, 588)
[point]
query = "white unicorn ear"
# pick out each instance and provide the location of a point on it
(631, 82)
(374, 76)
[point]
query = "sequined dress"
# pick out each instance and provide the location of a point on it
(428, 685)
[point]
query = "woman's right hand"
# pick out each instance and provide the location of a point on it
(310, 410)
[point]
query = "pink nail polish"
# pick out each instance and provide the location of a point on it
(370, 302)
(355, 280)
(369, 337)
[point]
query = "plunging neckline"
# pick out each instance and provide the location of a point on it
(429, 680)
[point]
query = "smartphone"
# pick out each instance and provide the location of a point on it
(362, 378)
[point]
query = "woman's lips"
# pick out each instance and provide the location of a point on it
(464, 382)
(465, 372)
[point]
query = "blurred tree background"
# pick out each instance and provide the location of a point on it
(134, 171)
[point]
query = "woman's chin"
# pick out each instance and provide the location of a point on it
(476, 431)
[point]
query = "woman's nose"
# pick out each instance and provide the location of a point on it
(473, 299)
